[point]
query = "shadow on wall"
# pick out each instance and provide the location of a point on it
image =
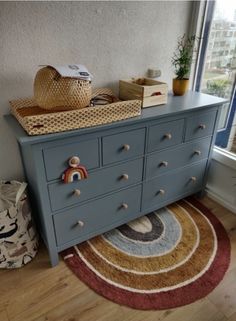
(10, 162)
(9, 155)
(21, 86)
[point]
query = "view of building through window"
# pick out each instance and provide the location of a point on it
(220, 62)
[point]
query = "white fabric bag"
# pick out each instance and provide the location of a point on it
(18, 237)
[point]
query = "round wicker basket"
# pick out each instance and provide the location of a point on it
(51, 91)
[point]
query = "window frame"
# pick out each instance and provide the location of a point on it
(223, 133)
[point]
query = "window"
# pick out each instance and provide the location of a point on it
(216, 71)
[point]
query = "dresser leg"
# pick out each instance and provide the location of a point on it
(201, 194)
(54, 258)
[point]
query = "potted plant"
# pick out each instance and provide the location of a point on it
(182, 60)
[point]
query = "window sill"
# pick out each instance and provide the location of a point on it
(224, 157)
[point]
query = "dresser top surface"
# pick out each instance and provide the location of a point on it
(191, 101)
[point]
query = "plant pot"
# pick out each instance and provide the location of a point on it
(180, 86)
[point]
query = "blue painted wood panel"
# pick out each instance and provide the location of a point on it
(162, 162)
(165, 135)
(175, 183)
(98, 182)
(96, 214)
(56, 158)
(200, 125)
(123, 146)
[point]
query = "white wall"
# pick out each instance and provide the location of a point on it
(221, 184)
(114, 40)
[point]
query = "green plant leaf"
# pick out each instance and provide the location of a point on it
(183, 56)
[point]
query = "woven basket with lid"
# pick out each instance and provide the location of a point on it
(51, 91)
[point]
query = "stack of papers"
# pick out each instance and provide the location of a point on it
(73, 71)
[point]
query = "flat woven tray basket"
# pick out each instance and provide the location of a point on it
(37, 121)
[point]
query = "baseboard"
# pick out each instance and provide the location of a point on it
(220, 200)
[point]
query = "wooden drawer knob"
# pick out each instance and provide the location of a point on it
(124, 206)
(125, 177)
(77, 192)
(202, 126)
(168, 136)
(80, 223)
(161, 191)
(164, 163)
(126, 147)
(193, 179)
(197, 152)
(74, 161)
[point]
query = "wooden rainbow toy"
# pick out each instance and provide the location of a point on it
(75, 172)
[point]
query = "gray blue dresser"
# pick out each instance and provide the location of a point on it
(134, 167)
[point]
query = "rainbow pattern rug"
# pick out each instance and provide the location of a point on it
(169, 258)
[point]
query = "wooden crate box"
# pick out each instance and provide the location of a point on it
(151, 92)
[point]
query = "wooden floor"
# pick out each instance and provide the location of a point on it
(40, 293)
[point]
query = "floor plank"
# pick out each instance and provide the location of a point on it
(40, 293)
(223, 296)
(233, 317)
(198, 311)
(41, 288)
(3, 315)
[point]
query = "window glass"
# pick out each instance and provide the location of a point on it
(218, 77)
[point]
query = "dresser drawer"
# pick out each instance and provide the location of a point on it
(80, 221)
(123, 146)
(169, 186)
(56, 158)
(99, 182)
(200, 125)
(165, 135)
(164, 161)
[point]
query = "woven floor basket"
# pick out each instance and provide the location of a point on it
(51, 91)
(37, 121)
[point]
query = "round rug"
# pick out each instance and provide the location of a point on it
(169, 258)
